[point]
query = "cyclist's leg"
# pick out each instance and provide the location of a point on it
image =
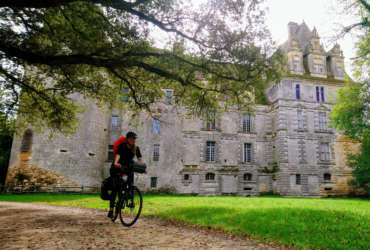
(115, 180)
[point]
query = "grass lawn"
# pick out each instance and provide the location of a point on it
(297, 222)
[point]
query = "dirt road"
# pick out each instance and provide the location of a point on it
(35, 226)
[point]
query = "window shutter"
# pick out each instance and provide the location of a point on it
(242, 152)
(253, 150)
(205, 155)
(253, 118)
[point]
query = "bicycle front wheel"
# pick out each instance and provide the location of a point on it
(131, 207)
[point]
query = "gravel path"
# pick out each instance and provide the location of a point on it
(36, 226)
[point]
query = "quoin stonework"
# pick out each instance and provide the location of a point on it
(285, 147)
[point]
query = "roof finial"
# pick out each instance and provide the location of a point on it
(314, 32)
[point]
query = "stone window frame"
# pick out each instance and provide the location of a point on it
(110, 153)
(156, 126)
(169, 96)
(208, 151)
(298, 179)
(115, 122)
(210, 123)
(244, 153)
(323, 121)
(156, 152)
(327, 177)
(154, 182)
(248, 177)
(210, 177)
(324, 156)
(244, 123)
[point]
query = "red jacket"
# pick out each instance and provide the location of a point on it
(116, 144)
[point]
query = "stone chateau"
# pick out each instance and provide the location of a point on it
(285, 147)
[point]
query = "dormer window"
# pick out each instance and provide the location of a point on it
(339, 69)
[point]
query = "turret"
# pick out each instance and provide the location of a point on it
(316, 56)
(335, 62)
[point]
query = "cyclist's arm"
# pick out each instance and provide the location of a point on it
(116, 164)
(139, 156)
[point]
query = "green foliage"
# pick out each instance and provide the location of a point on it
(351, 112)
(98, 48)
(6, 137)
(361, 166)
(295, 222)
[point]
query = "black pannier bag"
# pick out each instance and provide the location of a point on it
(138, 167)
(106, 188)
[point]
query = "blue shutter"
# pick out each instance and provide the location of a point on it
(297, 92)
(317, 94)
(322, 94)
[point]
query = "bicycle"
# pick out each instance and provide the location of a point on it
(128, 201)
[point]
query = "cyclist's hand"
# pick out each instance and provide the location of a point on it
(117, 165)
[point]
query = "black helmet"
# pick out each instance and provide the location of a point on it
(131, 134)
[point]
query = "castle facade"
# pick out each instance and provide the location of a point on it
(285, 147)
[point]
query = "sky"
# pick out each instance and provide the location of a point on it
(321, 14)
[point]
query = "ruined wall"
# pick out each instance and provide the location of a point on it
(78, 157)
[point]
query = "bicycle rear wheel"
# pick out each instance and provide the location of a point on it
(131, 207)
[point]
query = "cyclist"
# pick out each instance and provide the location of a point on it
(125, 154)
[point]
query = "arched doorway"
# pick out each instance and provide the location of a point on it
(26, 145)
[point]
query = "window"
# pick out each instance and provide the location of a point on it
(324, 152)
(327, 177)
(210, 151)
(110, 153)
(247, 153)
(247, 123)
(339, 69)
(300, 119)
(322, 122)
(169, 94)
(298, 179)
(186, 177)
(318, 68)
(156, 152)
(155, 126)
(322, 94)
(210, 177)
(153, 182)
(247, 177)
(297, 92)
(115, 122)
(295, 65)
(125, 94)
(317, 94)
(211, 121)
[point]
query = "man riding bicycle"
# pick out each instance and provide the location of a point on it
(124, 156)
